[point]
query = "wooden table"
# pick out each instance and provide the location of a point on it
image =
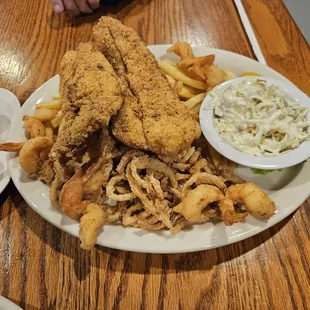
(43, 268)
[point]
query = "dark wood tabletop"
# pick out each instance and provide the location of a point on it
(42, 267)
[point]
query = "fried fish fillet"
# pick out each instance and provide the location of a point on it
(128, 123)
(152, 118)
(91, 94)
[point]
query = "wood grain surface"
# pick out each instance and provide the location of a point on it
(43, 268)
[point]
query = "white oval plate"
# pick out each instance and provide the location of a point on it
(285, 160)
(6, 304)
(9, 113)
(289, 188)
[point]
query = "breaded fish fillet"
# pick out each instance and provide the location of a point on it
(128, 122)
(91, 95)
(152, 117)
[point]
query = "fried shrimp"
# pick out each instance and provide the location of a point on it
(34, 127)
(196, 200)
(93, 218)
(70, 197)
(33, 153)
(254, 199)
(228, 212)
(11, 147)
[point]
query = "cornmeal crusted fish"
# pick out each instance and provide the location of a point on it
(152, 117)
(91, 95)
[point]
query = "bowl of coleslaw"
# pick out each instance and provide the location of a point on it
(258, 122)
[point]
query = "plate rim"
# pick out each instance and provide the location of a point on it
(16, 108)
(164, 250)
(8, 304)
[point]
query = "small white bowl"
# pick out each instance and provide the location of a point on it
(284, 160)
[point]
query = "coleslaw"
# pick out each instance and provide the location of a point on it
(257, 119)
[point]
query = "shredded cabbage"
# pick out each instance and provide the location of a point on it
(257, 118)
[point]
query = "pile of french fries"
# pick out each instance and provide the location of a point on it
(50, 115)
(193, 77)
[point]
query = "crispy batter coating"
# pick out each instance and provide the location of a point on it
(254, 199)
(128, 122)
(167, 127)
(94, 217)
(196, 200)
(91, 94)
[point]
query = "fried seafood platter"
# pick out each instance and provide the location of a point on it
(120, 144)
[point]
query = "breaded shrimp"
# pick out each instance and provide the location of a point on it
(33, 153)
(94, 217)
(254, 199)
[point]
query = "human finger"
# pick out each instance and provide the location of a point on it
(94, 4)
(71, 7)
(58, 6)
(83, 6)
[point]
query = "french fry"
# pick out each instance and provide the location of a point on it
(56, 96)
(250, 74)
(178, 88)
(168, 68)
(53, 105)
(190, 103)
(215, 76)
(194, 115)
(171, 81)
(44, 114)
(196, 109)
(57, 119)
(229, 75)
(188, 92)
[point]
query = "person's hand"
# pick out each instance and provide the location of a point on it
(75, 7)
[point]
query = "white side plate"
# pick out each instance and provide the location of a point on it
(6, 304)
(9, 112)
(289, 188)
